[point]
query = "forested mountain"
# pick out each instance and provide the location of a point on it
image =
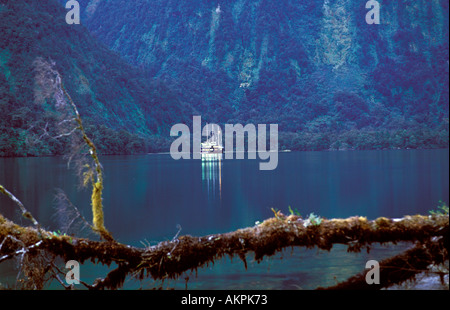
(316, 68)
(125, 110)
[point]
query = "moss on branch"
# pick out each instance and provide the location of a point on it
(170, 259)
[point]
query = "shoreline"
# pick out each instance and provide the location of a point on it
(279, 151)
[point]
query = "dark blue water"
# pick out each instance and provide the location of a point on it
(148, 197)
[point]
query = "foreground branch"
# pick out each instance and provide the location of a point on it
(400, 268)
(171, 258)
(22, 208)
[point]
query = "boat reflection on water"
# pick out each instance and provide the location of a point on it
(212, 172)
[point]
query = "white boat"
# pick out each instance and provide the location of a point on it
(211, 148)
(213, 144)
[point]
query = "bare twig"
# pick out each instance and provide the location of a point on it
(68, 214)
(45, 130)
(21, 251)
(22, 208)
(65, 134)
(178, 232)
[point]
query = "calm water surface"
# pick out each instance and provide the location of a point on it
(147, 198)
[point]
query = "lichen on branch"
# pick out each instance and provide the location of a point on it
(170, 259)
(97, 182)
(69, 125)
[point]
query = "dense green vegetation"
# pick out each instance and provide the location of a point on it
(315, 68)
(123, 110)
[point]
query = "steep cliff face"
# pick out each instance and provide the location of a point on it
(289, 61)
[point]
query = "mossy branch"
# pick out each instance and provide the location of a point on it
(97, 183)
(172, 258)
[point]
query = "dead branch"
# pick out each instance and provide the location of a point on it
(22, 208)
(49, 85)
(69, 217)
(65, 134)
(97, 185)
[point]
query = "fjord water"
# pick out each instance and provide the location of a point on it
(148, 198)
